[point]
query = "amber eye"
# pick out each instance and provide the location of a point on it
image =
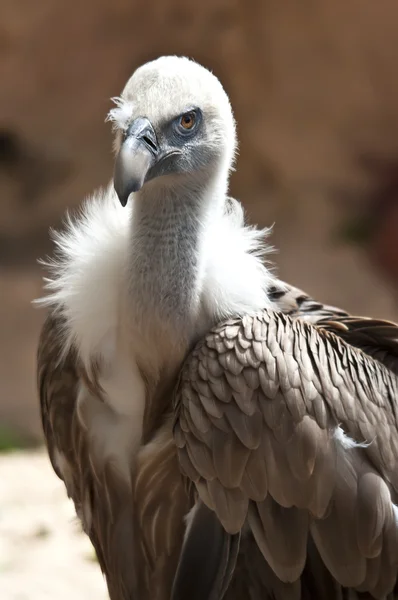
(187, 121)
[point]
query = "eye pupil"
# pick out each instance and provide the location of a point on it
(188, 120)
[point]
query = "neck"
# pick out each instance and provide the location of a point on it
(167, 263)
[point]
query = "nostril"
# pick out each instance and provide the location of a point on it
(149, 142)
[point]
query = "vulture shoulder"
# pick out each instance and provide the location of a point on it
(286, 422)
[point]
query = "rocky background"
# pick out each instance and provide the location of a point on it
(315, 90)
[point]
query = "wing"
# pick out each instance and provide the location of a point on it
(290, 429)
(296, 303)
(137, 530)
(160, 503)
(57, 381)
(101, 499)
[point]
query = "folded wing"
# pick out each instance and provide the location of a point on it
(290, 427)
(136, 525)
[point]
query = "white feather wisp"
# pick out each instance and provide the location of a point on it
(86, 273)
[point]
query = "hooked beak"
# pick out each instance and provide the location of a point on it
(138, 153)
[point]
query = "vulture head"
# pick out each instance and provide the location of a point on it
(174, 126)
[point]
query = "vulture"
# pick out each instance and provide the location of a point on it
(221, 434)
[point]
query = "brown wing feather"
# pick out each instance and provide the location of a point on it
(136, 529)
(376, 337)
(96, 498)
(298, 304)
(161, 500)
(308, 381)
(57, 380)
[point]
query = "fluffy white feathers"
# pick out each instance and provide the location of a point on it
(89, 272)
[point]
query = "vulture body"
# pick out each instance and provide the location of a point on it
(266, 467)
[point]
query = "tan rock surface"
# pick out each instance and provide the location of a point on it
(43, 553)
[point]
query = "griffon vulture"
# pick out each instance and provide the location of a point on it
(269, 471)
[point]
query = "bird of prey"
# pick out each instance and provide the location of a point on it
(276, 450)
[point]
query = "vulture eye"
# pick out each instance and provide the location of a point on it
(187, 121)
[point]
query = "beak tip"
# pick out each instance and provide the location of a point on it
(123, 200)
(124, 193)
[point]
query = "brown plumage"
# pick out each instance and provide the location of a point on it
(136, 529)
(287, 425)
(298, 464)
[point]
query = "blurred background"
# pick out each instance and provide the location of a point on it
(314, 88)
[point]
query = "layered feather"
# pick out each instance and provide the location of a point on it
(286, 426)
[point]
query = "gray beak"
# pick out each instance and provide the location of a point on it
(138, 153)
